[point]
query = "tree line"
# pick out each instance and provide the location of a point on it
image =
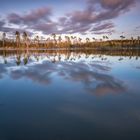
(56, 41)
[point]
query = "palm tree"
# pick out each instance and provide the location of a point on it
(26, 39)
(87, 40)
(17, 38)
(75, 39)
(94, 39)
(107, 37)
(48, 41)
(72, 40)
(3, 39)
(54, 37)
(104, 37)
(80, 41)
(122, 37)
(59, 39)
(132, 40)
(36, 41)
(68, 41)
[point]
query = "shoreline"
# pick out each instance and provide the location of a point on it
(70, 49)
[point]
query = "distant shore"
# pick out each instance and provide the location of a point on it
(71, 49)
(93, 45)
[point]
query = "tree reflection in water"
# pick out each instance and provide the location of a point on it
(94, 76)
(53, 93)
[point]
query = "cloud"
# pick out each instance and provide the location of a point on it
(96, 18)
(13, 30)
(111, 9)
(114, 4)
(7, 29)
(104, 26)
(14, 18)
(33, 16)
(107, 84)
(87, 20)
(2, 23)
(37, 20)
(34, 75)
(95, 82)
(109, 32)
(137, 28)
(2, 28)
(46, 28)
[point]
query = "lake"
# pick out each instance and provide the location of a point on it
(69, 95)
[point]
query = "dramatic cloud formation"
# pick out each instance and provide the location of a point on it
(109, 9)
(96, 17)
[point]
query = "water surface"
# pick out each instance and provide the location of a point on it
(69, 95)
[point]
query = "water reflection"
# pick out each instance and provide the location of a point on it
(69, 95)
(2, 70)
(65, 55)
(93, 76)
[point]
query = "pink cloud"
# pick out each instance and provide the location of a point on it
(104, 26)
(80, 21)
(31, 17)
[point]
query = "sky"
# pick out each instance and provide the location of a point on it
(85, 18)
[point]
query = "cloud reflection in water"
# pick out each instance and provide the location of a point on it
(94, 78)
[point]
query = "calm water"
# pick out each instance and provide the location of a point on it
(69, 96)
